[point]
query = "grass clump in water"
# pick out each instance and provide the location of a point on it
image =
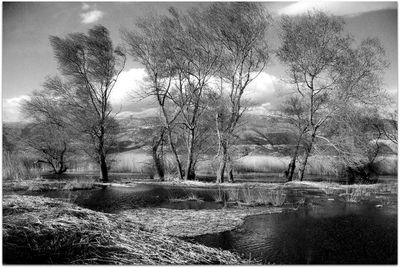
(356, 195)
(254, 196)
(80, 184)
(39, 230)
(218, 196)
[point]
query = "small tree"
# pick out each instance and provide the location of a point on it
(294, 113)
(90, 65)
(52, 144)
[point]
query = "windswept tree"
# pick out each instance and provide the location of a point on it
(180, 57)
(150, 45)
(90, 66)
(327, 70)
(240, 30)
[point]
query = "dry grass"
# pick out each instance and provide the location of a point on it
(40, 230)
(233, 194)
(219, 196)
(132, 162)
(189, 223)
(80, 184)
(323, 165)
(257, 196)
(356, 195)
(352, 192)
(18, 168)
(261, 163)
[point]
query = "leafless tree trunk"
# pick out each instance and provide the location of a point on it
(157, 146)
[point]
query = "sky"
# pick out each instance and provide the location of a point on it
(27, 57)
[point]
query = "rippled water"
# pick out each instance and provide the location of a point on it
(335, 233)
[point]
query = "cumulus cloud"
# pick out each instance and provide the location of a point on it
(11, 108)
(91, 14)
(337, 8)
(262, 88)
(128, 86)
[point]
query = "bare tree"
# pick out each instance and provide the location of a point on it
(51, 143)
(180, 57)
(149, 45)
(240, 30)
(294, 113)
(90, 65)
(47, 135)
(355, 135)
(326, 71)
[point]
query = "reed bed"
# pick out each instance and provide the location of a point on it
(132, 162)
(257, 196)
(17, 167)
(261, 163)
(39, 230)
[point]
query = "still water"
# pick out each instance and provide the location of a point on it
(336, 233)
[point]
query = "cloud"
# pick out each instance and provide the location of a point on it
(336, 8)
(262, 88)
(85, 6)
(128, 86)
(140, 114)
(262, 109)
(91, 15)
(11, 109)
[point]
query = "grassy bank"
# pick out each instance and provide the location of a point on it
(40, 230)
(41, 185)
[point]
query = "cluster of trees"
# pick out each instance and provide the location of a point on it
(335, 80)
(74, 110)
(199, 65)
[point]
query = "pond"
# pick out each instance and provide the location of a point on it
(325, 230)
(335, 233)
(116, 199)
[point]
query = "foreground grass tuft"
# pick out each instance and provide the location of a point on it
(39, 230)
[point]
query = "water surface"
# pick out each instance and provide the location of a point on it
(335, 233)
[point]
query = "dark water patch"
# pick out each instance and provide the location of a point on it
(191, 204)
(335, 233)
(114, 199)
